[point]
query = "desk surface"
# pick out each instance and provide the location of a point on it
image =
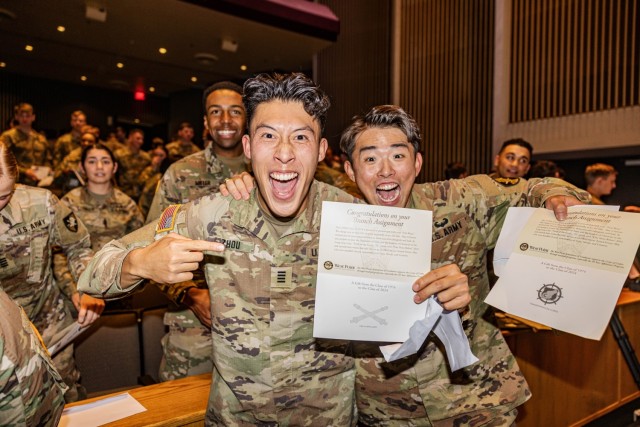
(628, 297)
(173, 403)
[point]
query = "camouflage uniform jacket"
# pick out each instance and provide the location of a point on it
(187, 179)
(30, 225)
(64, 146)
(268, 368)
(467, 218)
(131, 166)
(177, 151)
(31, 391)
(30, 150)
(106, 219)
(69, 162)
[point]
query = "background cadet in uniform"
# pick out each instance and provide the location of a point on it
(32, 220)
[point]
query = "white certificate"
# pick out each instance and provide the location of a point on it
(368, 260)
(568, 274)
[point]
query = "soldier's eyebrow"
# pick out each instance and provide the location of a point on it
(375, 147)
(225, 106)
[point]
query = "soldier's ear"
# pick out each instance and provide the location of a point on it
(115, 167)
(246, 145)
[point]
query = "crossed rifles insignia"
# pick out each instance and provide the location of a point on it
(369, 315)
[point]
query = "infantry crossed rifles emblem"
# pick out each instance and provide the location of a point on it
(366, 314)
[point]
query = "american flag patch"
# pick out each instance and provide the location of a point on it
(167, 219)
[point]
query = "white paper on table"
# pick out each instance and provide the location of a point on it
(568, 274)
(101, 412)
(369, 258)
(513, 224)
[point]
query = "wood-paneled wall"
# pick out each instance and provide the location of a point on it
(355, 71)
(573, 56)
(445, 79)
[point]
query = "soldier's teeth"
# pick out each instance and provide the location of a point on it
(278, 176)
(387, 187)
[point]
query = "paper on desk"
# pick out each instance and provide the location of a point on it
(369, 258)
(568, 274)
(64, 337)
(101, 411)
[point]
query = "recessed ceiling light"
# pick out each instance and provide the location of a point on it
(120, 65)
(152, 89)
(162, 50)
(136, 120)
(61, 29)
(194, 79)
(83, 78)
(243, 67)
(28, 48)
(3, 64)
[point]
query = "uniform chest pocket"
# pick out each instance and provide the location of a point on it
(37, 258)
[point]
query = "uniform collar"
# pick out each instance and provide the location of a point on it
(214, 165)
(251, 217)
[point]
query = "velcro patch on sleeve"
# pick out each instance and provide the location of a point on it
(507, 182)
(168, 219)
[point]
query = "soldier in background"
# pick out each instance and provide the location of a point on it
(32, 222)
(31, 390)
(601, 181)
(28, 146)
(513, 160)
(132, 161)
(187, 345)
(69, 141)
(183, 146)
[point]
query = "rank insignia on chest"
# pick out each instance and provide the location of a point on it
(281, 277)
(71, 222)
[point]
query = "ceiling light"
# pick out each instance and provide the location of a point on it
(28, 48)
(61, 29)
(120, 65)
(3, 64)
(243, 67)
(162, 50)
(206, 59)
(152, 89)
(136, 120)
(194, 79)
(83, 78)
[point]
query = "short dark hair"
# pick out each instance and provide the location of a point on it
(544, 168)
(381, 116)
(219, 86)
(294, 87)
(517, 141)
(598, 170)
(184, 125)
(454, 170)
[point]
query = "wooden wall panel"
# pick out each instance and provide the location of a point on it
(446, 79)
(355, 71)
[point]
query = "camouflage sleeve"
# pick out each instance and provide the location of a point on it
(64, 279)
(68, 232)
(137, 220)
(490, 199)
(160, 199)
(58, 152)
(101, 278)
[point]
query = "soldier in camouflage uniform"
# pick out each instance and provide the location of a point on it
(106, 211)
(31, 390)
(28, 146)
(132, 161)
(69, 141)
(467, 216)
(183, 146)
(32, 221)
(187, 346)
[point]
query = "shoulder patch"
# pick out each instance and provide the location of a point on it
(71, 222)
(506, 182)
(167, 219)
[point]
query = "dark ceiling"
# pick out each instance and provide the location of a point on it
(198, 39)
